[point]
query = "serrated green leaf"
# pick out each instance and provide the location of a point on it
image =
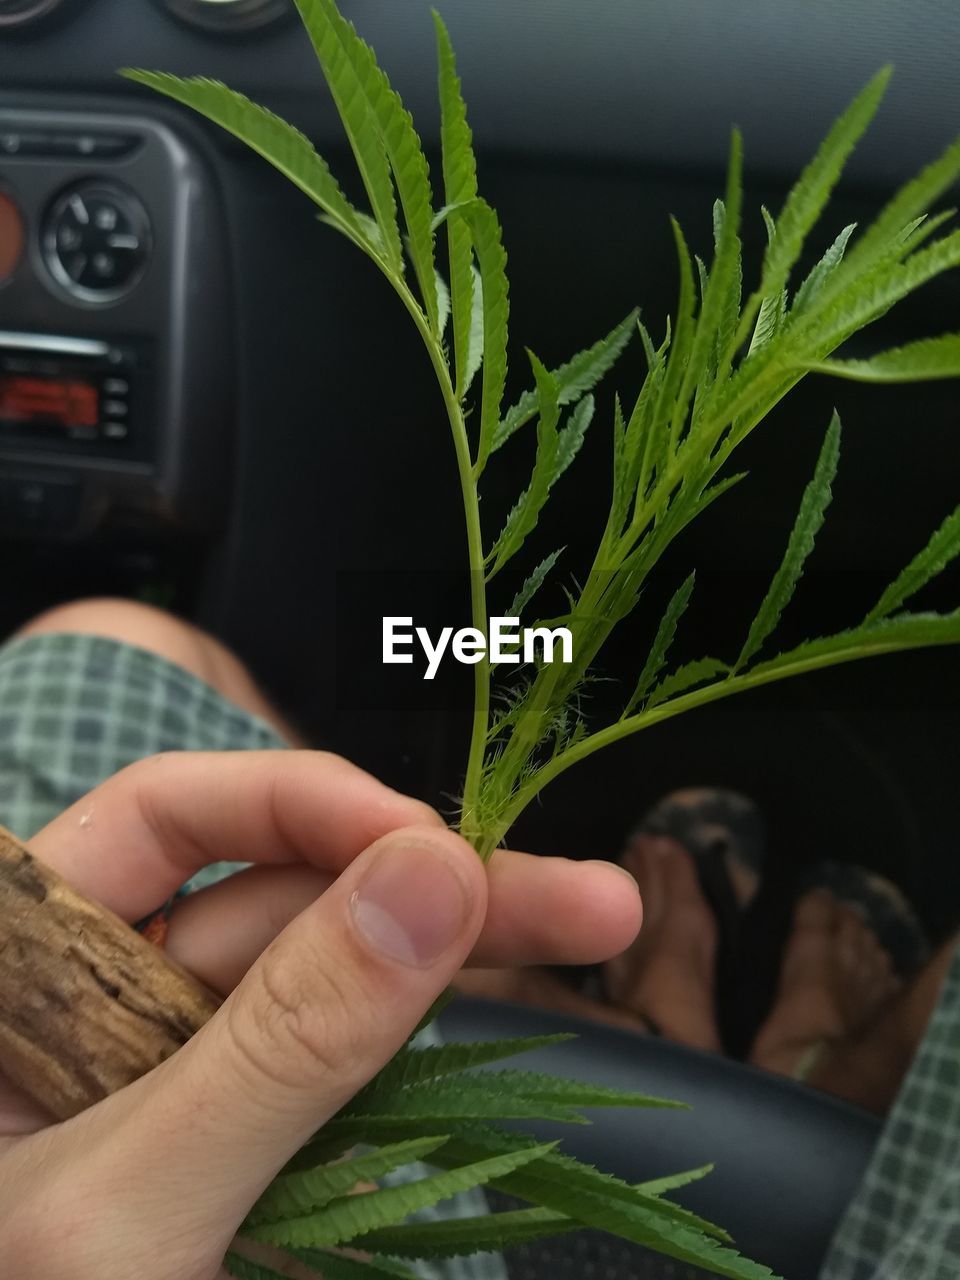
(339, 1266)
(922, 361)
(283, 146)
(687, 677)
(664, 638)
(724, 277)
(669, 408)
(293, 1195)
(769, 321)
(359, 86)
(344, 1220)
(571, 436)
(823, 270)
(460, 187)
(414, 1066)
(888, 635)
(443, 305)
(461, 1237)
(906, 205)
(675, 1181)
(717, 490)
(525, 514)
(446, 1102)
(538, 1087)
(532, 585)
(574, 379)
(350, 79)
(941, 550)
(812, 190)
(813, 508)
(597, 1200)
(494, 297)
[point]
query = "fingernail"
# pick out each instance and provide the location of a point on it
(614, 866)
(411, 905)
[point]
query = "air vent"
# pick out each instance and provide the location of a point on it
(17, 13)
(228, 15)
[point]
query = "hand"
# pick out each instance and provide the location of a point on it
(361, 910)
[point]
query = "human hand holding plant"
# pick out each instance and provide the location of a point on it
(362, 908)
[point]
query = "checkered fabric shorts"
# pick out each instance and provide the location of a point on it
(904, 1223)
(75, 709)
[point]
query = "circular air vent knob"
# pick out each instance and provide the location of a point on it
(96, 241)
(228, 15)
(17, 13)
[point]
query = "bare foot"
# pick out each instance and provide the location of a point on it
(666, 977)
(834, 981)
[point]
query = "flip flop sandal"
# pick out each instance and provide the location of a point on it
(723, 833)
(883, 906)
(888, 913)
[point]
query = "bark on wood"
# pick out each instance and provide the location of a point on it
(86, 1004)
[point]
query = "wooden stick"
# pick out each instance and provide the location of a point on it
(86, 1004)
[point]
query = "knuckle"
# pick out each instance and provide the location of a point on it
(302, 1021)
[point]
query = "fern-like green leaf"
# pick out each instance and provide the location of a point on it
(687, 677)
(460, 187)
(460, 1237)
(414, 1066)
(675, 1181)
(813, 509)
(942, 548)
(666, 632)
(494, 294)
(907, 204)
(922, 361)
(352, 81)
(723, 279)
(523, 518)
(532, 585)
(340, 1266)
(820, 273)
(294, 1194)
(812, 190)
(579, 375)
(443, 1103)
(344, 1220)
(598, 1200)
(285, 147)
(357, 83)
(888, 635)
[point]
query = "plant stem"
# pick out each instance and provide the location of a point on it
(469, 823)
(677, 706)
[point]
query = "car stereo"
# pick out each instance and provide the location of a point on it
(72, 393)
(115, 363)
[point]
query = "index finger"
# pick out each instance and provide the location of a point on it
(134, 840)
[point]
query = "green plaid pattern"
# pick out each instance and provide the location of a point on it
(74, 710)
(904, 1223)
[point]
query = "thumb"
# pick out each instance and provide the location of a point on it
(323, 1009)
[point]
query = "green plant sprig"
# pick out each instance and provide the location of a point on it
(722, 366)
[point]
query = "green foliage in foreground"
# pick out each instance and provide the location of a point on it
(431, 1104)
(726, 360)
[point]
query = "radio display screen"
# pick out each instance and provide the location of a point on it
(29, 399)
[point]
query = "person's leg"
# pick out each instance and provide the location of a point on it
(172, 638)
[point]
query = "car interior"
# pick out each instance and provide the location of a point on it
(210, 402)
